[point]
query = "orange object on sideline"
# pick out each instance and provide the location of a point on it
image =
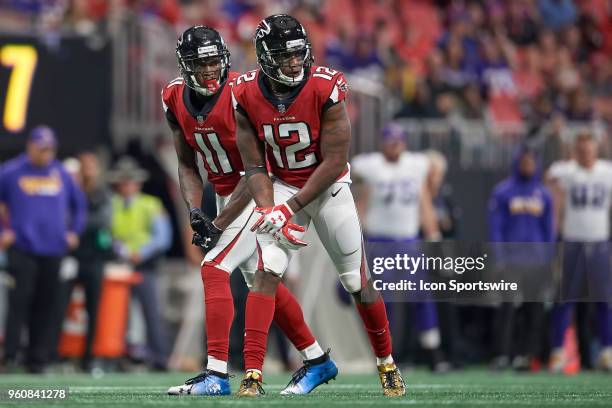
(112, 316)
(74, 328)
(571, 351)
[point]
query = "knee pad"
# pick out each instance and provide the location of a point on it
(351, 281)
(275, 259)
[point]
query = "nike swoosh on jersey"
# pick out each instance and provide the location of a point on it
(336, 193)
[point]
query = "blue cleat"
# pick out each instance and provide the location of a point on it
(310, 376)
(206, 383)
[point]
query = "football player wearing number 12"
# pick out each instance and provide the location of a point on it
(199, 111)
(293, 114)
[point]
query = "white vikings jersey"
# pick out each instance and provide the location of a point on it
(394, 192)
(586, 216)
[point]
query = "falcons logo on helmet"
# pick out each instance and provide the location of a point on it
(262, 29)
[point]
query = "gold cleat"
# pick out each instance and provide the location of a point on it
(250, 386)
(391, 380)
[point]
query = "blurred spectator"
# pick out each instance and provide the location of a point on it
(364, 59)
(422, 106)
(580, 108)
(567, 76)
(456, 73)
(557, 14)
(95, 247)
(521, 22)
(527, 75)
(141, 233)
(496, 77)
(472, 106)
(43, 214)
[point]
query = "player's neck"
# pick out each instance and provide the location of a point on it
(200, 98)
(589, 164)
(278, 89)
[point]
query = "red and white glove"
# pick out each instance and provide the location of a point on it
(272, 219)
(286, 238)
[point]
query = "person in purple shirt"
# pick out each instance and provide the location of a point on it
(42, 214)
(521, 213)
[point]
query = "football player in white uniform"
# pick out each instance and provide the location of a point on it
(394, 201)
(582, 190)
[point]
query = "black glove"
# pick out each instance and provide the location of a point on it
(206, 235)
(199, 221)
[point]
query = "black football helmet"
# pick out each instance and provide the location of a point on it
(278, 38)
(197, 47)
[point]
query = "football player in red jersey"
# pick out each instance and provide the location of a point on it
(293, 114)
(199, 111)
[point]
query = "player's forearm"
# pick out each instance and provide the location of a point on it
(4, 216)
(430, 225)
(239, 200)
(321, 179)
(429, 221)
(261, 189)
(192, 186)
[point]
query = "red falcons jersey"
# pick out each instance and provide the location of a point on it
(291, 133)
(212, 134)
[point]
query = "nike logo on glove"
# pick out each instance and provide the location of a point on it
(336, 193)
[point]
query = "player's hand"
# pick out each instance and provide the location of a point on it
(272, 219)
(135, 258)
(206, 242)
(72, 240)
(285, 236)
(7, 238)
(199, 221)
(206, 234)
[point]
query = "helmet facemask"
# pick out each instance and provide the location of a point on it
(274, 62)
(206, 71)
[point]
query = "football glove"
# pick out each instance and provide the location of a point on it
(206, 234)
(199, 221)
(205, 242)
(285, 236)
(272, 219)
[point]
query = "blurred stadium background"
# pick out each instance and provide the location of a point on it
(470, 79)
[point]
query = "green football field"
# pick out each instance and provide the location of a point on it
(461, 389)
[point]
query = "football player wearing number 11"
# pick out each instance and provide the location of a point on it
(292, 114)
(199, 111)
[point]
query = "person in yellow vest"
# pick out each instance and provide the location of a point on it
(141, 233)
